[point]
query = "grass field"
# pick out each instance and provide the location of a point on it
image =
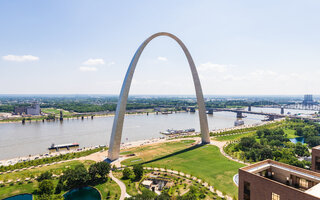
(290, 133)
(111, 186)
(55, 111)
(131, 187)
(235, 137)
(150, 152)
(16, 189)
(55, 169)
(205, 162)
(11, 190)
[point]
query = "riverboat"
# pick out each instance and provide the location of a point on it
(63, 147)
(172, 131)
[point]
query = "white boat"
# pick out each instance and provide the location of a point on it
(238, 122)
(172, 131)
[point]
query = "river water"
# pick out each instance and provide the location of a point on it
(33, 138)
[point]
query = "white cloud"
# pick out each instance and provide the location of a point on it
(23, 58)
(231, 77)
(212, 67)
(88, 69)
(91, 61)
(162, 58)
(111, 63)
(264, 73)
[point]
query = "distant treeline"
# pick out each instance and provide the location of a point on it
(84, 107)
(91, 104)
(10, 107)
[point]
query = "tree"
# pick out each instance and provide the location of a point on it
(191, 195)
(138, 171)
(93, 171)
(309, 131)
(246, 142)
(126, 173)
(163, 196)
(313, 141)
(59, 187)
(46, 187)
(146, 195)
(45, 176)
(266, 153)
(278, 132)
(103, 168)
(109, 195)
(301, 150)
(259, 133)
(299, 131)
(100, 168)
(267, 132)
(76, 177)
(50, 197)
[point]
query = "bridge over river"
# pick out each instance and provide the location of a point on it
(271, 116)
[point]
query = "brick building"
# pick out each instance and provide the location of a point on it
(277, 181)
(316, 159)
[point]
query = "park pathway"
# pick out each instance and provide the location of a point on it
(205, 184)
(220, 145)
(121, 185)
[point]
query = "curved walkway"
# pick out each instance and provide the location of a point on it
(221, 145)
(122, 186)
(205, 184)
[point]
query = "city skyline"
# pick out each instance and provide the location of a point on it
(83, 48)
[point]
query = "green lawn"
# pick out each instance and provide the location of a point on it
(55, 111)
(205, 162)
(150, 152)
(11, 190)
(290, 133)
(235, 137)
(55, 169)
(131, 186)
(111, 186)
(16, 189)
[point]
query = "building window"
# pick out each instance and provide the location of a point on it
(246, 192)
(275, 196)
(303, 183)
(317, 163)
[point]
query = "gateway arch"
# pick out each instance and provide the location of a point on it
(115, 140)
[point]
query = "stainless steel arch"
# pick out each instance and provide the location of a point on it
(114, 147)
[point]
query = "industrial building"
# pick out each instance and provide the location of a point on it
(308, 99)
(34, 109)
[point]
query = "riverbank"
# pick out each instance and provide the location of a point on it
(126, 145)
(78, 116)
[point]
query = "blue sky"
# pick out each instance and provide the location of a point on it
(85, 47)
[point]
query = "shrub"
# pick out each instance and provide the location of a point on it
(126, 173)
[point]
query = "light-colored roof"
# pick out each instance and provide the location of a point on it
(146, 182)
(314, 191)
(65, 145)
(267, 165)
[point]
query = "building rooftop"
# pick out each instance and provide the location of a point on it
(296, 178)
(314, 191)
(146, 182)
(317, 147)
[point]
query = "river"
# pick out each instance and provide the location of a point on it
(33, 138)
